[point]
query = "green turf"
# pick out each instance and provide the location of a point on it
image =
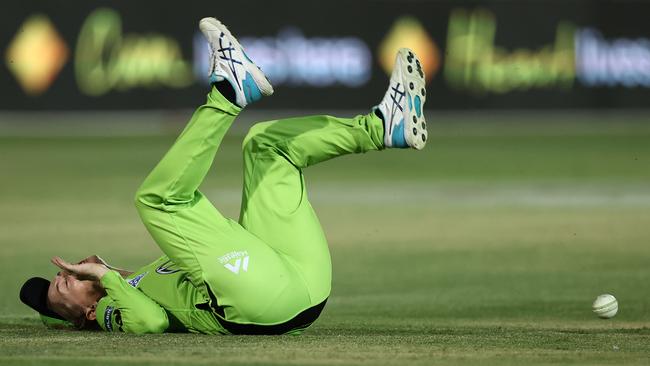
(486, 248)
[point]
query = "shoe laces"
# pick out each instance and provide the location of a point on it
(225, 53)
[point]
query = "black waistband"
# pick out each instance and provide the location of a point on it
(300, 321)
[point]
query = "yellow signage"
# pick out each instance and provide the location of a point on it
(36, 54)
(409, 32)
(476, 64)
(106, 59)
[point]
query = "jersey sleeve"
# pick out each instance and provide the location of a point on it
(126, 309)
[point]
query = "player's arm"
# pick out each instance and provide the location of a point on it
(124, 308)
(128, 310)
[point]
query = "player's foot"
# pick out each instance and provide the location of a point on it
(401, 108)
(229, 62)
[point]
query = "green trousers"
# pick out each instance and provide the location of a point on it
(274, 262)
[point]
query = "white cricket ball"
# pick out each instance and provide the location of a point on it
(605, 306)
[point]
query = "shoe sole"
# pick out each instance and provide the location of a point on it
(208, 25)
(412, 75)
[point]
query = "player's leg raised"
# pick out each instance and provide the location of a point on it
(275, 205)
(245, 279)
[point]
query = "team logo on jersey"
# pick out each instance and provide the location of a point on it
(235, 261)
(167, 268)
(135, 281)
(107, 318)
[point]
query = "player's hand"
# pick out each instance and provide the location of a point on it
(97, 259)
(83, 271)
(94, 259)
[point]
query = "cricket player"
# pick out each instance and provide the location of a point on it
(269, 272)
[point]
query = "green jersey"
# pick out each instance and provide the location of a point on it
(156, 298)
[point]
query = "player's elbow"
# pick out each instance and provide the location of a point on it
(156, 327)
(148, 326)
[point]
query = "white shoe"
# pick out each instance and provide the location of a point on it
(403, 103)
(229, 62)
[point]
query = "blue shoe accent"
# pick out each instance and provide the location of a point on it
(397, 139)
(408, 97)
(251, 91)
(214, 78)
(418, 106)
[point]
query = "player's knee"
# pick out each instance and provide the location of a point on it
(139, 199)
(256, 138)
(145, 198)
(161, 199)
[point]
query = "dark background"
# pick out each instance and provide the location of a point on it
(520, 24)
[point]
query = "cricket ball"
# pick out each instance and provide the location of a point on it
(605, 306)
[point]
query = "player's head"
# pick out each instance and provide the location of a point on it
(64, 298)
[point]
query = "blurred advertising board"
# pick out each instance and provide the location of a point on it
(81, 55)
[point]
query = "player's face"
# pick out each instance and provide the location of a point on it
(71, 297)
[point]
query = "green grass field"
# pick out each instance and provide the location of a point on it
(486, 248)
